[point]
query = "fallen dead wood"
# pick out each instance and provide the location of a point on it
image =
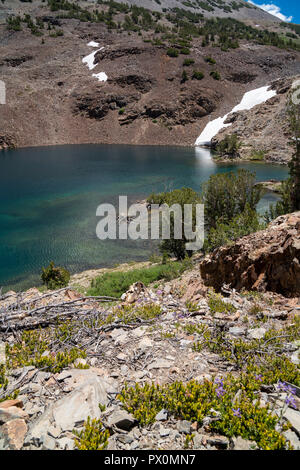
(29, 314)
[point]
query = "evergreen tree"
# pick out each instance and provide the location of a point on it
(294, 115)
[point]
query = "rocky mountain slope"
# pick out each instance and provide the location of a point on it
(151, 95)
(264, 131)
(240, 10)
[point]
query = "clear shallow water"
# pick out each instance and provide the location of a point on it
(49, 196)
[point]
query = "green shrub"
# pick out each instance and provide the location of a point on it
(3, 379)
(284, 205)
(215, 75)
(172, 52)
(55, 277)
(217, 304)
(193, 401)
(130, 314)
(226, 195)
(197, 75)
(256, 357)
(210, 60)
(184, 77)
(14, 23)
(226, 233)
(30, 349)
(258, 155)
(188, 62)
(185, 51)
(177, 246)
(191, 306)
(229, 145)
(93, 436)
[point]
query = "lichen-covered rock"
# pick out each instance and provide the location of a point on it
(13, 434)
(265, 260)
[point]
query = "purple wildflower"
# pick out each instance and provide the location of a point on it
(219, 381)
(286, 388)
(259, 377)
(290, 401)
(220, 391)
(236, 412)
(291, 390)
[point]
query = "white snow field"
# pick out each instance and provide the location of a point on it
(93, 44)
(89, 59)
(250, 99)
(102, 77)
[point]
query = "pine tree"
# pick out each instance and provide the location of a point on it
(294, 115)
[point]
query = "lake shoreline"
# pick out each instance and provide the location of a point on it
(49, 197)
(158, 145)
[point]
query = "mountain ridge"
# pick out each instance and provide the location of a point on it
(204, 65)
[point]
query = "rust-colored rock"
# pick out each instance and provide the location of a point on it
(13, 412)
(265, 260)
(8, 403)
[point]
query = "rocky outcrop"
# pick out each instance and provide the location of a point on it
(242, 76)
(265, 260)
(140, 83)
(16, 61)
(264, 131)
(7, 141)
(112, 54)
(97, 106)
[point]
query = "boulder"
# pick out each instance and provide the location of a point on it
(122, 420)
(9, 403)
(265, 260)
(238, 443)
(72, 410)
(184, 427)
(13, 412)
(257, 333)
(13, 433)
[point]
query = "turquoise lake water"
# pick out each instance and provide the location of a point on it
(49, 197)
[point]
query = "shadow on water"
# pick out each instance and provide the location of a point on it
(49, 197)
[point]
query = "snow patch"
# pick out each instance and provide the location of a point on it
(102, 77)
(249, 100)
(89, 59)
(93, 44)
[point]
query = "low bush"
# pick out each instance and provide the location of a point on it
(130, 314)
(215, 75)
(55, 277)
(218, 305)
(188, 62)
(197, 75)
(194, 401)
(229, 145)
(172, 52)
(33, 350)
(225, 233)
(210, 60)
(93, 436)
